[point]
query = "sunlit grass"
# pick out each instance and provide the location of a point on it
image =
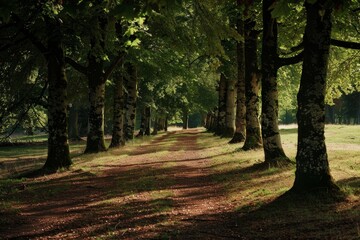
(143, 186)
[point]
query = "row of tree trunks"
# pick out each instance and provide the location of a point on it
(253, 133)
(274, 153)
(240, 119)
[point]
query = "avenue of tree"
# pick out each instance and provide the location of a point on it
(163, 61)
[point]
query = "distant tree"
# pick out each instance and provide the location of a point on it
(240, 121)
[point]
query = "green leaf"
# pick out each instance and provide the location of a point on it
(281, 8)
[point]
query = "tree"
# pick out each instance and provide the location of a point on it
(131, 83)
(252, 86)
(221, 117)
(117, 139)
(312, 166)
(58, 146)
(240, 121)
(274, 153)
(53, 52)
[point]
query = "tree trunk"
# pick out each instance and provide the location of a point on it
(221, 119)
(185, 119)
(148, 121)
(253, 134)
(145, 122)
(130, 107)
(156, 122)
(213, 120)
(230, 109)
(58, 146)
(117, 139)
(312, 166)
(95, 139)
(274, 153)
(240, 121)
(166, 124)
(74, 124)
(142, 123)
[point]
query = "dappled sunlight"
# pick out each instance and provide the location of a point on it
(194, 185)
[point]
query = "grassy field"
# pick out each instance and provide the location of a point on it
(134, 191)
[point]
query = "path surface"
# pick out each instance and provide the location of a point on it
(159, 190)
(177, 185)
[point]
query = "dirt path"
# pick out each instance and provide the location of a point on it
(158, 190)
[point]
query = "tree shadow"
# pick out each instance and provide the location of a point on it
(289, 216)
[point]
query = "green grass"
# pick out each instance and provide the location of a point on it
(142, 192)
(30, 138)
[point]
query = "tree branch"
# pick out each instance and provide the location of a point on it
(294, 49)
(35, 41)
(291, 60)
(78, 67)
(14, 43)
(115, 62)
(345, 44)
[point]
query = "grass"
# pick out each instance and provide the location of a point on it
(257, 195)
(142, 195)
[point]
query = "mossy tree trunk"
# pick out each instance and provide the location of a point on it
(117, 139)
(58, 146)
(253, 133)
(274, 153)
(131, 99)
(240, 120)
(312, 166)
(95, 139)
(230, 108)
(221, 117)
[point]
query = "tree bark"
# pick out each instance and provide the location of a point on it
(95, 139)
(312, 166)
(230, 109)
(221, 117)
(117, 139)
(74, 124)
(58, 146)
(185, 118)
(166, 123)
(274, 153)
(130, 106)
(253, 133)
(240, 120)
(145, 122)
(148, 121)
(156, 122)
